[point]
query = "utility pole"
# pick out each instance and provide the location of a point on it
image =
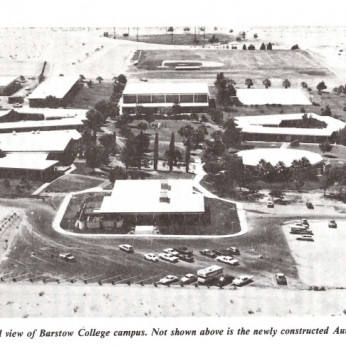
(114, 33)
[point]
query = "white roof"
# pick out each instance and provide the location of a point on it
(274, 155)
(143, 196)
(46, 141)
(166, 88)
(55, 86)
(57, 113)
(259, 124)
(35, 124)
(37, 162)
(6, 80)
(272, 96)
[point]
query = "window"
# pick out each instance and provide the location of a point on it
(158, 99)
(172, 98)
(130, 99)
(201, 98)
(144, 99)
(186, 98)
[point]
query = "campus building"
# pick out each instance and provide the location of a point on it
(60, 87)
(153, 202)
(192, 97)
(269, 128)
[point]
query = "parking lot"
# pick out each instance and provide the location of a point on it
(320, 263)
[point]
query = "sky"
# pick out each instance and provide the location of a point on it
(173, 12)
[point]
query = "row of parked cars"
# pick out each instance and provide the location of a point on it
(222, 255)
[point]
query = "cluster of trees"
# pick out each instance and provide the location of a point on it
(334, 175)
(341, 89)
(305, 122)
(321, 86)
(225, 89)
(263, 46)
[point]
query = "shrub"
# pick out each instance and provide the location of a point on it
(204, 118)
(294, 144)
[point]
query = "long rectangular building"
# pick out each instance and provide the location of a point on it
(190, 96)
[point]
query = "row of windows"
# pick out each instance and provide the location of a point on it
(169, 98)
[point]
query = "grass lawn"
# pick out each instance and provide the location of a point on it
(23, 191)
(88, 97)
(73, 182)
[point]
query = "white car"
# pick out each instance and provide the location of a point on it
(171, 251)
(126, 247)
(169, 279)
(168, 257)
(228, 260)
(67, 257)
(188, 279)
(151, 257)
(300, 224)
(242, 280)
(305, 237)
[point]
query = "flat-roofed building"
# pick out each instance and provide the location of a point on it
(269, 128)
(9, 85)
(150, 202)
(60, 87)
(192, 97)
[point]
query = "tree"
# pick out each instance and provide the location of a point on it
(171, 29)
(89, 83)
(294, 47)
(156, 151)
(263, 46)
(122, 79)
(225, 89)
(243, 35)
(143, 126)
(326, 111)
(244, 46)
(96, 155)
(341, 137)
(267, 83)
(129, 153)
(142, 145)
(255, 36)
(325, 147)
(216, 115)
(302, 171)
(213, 39)
(249, 82)
(234, 169)
(204, 118)
(171, 153)
(108, 141)
(286, 84)
(269, 46)
(238, 39)
(187, 155)
(117, 173)
(266, 170)
(194, 117)
(251, 47)
(52, 102)
(232, 135)
(95, 120)
(304, 85)
(108, 109)
(321, 86)
(176, 108)
(99, 79)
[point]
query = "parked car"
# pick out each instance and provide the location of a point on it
(224, 280)
(183, 250)
(188, 279)
(309, 205)
(300, 224)
(67, 257)
(242, 280)
(305, 237)
(171, 251)
(151, 257)
(228, 260)
(168, 257)
(233, 250)
(332, 224)
(301, 231)
(219, 252)
(270, 204)
(169, 279)
(126, 247)
(280, 279)
(186, 258)
(208, 253)
(17, 105)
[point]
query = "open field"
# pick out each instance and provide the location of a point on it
(88, 97)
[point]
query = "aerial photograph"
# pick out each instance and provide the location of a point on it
(172, 171)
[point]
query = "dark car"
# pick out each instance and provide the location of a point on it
(186, 258)
(208, 253)
(233, 251)
(309, 205)
(183, 250)
(218, 252)
(224, 280)
(280, 279)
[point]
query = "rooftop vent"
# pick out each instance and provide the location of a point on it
(164, 197)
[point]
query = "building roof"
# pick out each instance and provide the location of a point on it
(166, 88)
(55, 113)
(274, 155)
(272, 96)
(57, 86)
(152, 196)
(42, 142)
(6, 80)
(35, 124)
(36, 162)
(269, 124)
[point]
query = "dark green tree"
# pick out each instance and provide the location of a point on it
(142, 145)
(187, 155)
(171, 153)
(129, 153)
(156, 151)
(232, 135)
(95, 120)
